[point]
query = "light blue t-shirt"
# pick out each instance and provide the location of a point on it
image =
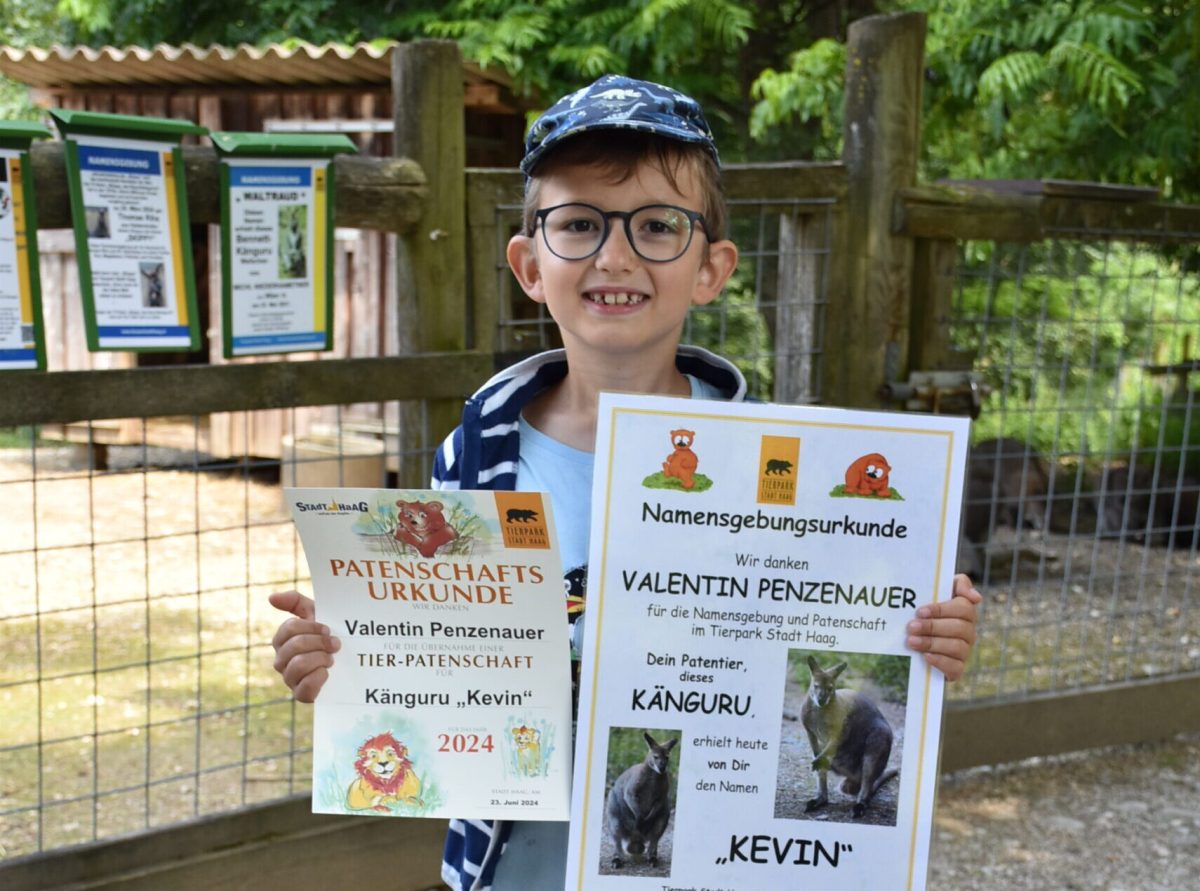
(536, 856)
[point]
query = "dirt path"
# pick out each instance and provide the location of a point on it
(1117, 819)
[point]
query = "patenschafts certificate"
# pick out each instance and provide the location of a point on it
(451, 694)
(749, 717)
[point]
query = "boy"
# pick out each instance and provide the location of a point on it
(624, 230)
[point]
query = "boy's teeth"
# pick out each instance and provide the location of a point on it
(614, 298)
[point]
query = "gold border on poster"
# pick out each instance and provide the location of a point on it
(598, 605)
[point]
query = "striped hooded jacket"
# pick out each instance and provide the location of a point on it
(482, 454)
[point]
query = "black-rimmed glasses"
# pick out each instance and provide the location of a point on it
(659, 233)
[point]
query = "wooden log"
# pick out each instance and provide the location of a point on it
(372, 193)
(962, 212)
(980, 212)
(431, 265)
(70, 396)
(935, 262)
(801, 239)
(802, 180)
(884, 74)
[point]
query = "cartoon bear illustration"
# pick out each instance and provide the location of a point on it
(682, 462)
(869, 476)
(778, 466)
(385, 776)
(517, 515)
(422, 525)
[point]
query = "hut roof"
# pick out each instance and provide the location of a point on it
(294, 65)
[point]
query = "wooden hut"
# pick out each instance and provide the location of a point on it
(331, 88)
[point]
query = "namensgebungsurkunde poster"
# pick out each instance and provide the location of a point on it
(451, 693)
(749, 716)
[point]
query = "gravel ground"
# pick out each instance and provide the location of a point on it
(1118, 819)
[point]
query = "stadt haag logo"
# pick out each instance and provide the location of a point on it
(332, 507)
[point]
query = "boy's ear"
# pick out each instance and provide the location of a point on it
(715, 271)
(522, 260)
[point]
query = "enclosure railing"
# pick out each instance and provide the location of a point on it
(1077, 308)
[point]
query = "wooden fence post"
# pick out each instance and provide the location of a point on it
(431, 270)
(869, 330)
(796, 340)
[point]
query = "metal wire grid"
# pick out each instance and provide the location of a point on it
(137, 686)
(1087, 349)
(781, 282)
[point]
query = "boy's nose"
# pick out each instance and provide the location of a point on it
(616, 253)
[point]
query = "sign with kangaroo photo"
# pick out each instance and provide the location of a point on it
(451, 693)
(133, 241)
(750, 718)
(277, 241)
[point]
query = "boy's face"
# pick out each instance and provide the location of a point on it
(655, 296)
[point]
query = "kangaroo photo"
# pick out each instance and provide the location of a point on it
(843, 715)
(638, 809)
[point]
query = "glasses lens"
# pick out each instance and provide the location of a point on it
(660, 232)
(573, 231)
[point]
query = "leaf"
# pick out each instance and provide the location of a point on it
(1012, 76)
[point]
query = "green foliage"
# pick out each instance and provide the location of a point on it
(811, 89)
(1063, 329)
(839, 491)
(735, 328)
(19, 437)
(1077, 89)
(660, 480)
(24, 23)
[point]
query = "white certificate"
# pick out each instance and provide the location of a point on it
(749, 716)
(132, 246)
(451, 695)
(276, 239)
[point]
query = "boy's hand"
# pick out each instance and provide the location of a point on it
(304, 648)
(945, 631)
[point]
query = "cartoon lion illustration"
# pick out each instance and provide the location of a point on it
(421, 524)
(529, 750)
(385, 776)
(682, 462)
(869, 476)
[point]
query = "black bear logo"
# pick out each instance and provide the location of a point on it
(517, 515)
(778, 466)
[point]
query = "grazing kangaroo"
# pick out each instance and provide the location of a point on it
(638, 809)
(848, 735)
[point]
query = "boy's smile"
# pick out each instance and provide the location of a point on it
(614, 303)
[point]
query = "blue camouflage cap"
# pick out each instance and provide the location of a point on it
(616, 102)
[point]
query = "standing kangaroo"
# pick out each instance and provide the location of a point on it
(638, 809)
(848, 735)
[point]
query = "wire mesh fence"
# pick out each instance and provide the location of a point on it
(1080, 516)
(137, 685)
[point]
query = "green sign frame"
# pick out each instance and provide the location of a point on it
(291, 150)
(16, 136)
(77, 126)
